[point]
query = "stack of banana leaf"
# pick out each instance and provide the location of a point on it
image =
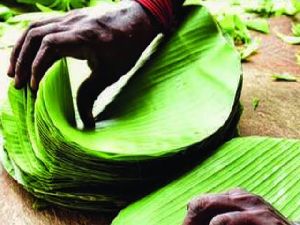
(180, 104)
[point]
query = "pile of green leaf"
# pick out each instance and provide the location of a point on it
(237, 17)
(265, 166)
(5, 13)
(62, 5)
(181, 103)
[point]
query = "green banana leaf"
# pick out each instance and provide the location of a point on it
(181, 103)
(265, 166)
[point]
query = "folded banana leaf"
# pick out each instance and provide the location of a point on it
(181, 103)
(265, 166)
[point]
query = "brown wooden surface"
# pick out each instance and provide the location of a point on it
(279, 109)
(277, 115)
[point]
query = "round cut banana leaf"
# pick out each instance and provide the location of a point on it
(265, 166)
(181, 103)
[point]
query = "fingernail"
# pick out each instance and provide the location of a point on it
(10, 71)
(17, 83)
(33, 84)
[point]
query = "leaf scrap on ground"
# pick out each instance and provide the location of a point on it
(258, 24)
(292, 40)
(248, 50)
(284, 77)
(234, 26)
(255, 103)
(296, 29)
(298, 58)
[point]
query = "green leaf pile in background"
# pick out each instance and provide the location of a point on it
(237, 17)
(5, 13)
(180, 104)
(265, 166)
(62, 5)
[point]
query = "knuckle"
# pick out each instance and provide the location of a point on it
(105, 19)
(267, 215)
(248, 199)
(18, 65)
(199, 203)
(33, 25)
(32, 34)
(87, 35)
(263, 214)
(48, 41)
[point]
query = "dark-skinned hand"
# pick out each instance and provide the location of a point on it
(236, 207)
(111, 40)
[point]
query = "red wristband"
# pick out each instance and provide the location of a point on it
(162, 10)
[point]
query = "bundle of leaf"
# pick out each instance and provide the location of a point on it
(265, 166)
(182, 102)
(61, 5)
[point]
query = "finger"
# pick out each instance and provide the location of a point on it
(86, 96)
(18, 46)
(247, 200)
(212, 201)
(233, 218)
(30, 47)
(89, 91)
(203, 209)
(237, 218)
(53, 47)
(254, 217)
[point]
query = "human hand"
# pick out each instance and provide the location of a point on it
(111, 42)
(236, 207)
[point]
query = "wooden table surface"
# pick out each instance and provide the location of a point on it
(277, 115)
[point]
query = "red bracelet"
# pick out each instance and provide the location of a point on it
(162, 10)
